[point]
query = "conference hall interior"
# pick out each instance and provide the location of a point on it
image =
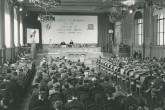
(82, 54)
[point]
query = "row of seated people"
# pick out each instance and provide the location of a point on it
(146, 76)
(14, 77)
(72, 45)
(65, 85)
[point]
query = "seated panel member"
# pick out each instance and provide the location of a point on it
(71, 42)
(63, 43)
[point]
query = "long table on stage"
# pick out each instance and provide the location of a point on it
(74, 49)
(76, 53)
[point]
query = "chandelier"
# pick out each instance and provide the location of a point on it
(46, 4)
(118, 15)
(48, 19)
(158, 4)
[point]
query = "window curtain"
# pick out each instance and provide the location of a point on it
(7, 25)
(103, 32)
(21, 31)
(15, 28)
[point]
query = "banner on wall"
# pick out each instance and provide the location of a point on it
(79, 29)
(32, 35)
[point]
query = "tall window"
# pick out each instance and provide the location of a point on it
(138, 28)
(15, 28)
(161, 29)
(140, 31)
(21, 31)
(7, 26)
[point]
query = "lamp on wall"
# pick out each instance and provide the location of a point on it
(110, 31)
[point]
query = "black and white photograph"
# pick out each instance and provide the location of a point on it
(82, 54)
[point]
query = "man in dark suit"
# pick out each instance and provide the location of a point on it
(81, 87)
(111, 103)
(71, 42)
(130, 101)
(63, 43)
(73, 102)
(41, 102)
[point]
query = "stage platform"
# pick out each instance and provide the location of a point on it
(86, 55)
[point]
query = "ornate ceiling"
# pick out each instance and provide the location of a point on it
(99, 6)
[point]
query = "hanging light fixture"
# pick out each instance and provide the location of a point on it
(158, 4)
(46, 5)
(118, 15)
(46, 18)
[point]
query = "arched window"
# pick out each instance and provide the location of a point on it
(15, 28)
(160, 29)
(7, 26)
(138, 28)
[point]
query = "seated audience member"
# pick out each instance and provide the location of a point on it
(162, 92)
(142, 104)
(156, 83)
(58, 105)
(41, 102)
(40, 89)
(56, 89)
(148, 80)
(118, 92)
(53, 81)
(45, 75)
(111, 88)
(73, 102)
(106, 83)
(111, 103)
(130, 102)
(6, 96)
(81, 87)
(96, 87)
(65, 89)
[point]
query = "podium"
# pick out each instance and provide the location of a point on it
(33, 50)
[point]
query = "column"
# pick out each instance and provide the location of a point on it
(2, 24)
(12, 31)
(12, 26)
(2, 30)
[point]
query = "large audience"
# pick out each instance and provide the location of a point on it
(62, 84)
(14, 79)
